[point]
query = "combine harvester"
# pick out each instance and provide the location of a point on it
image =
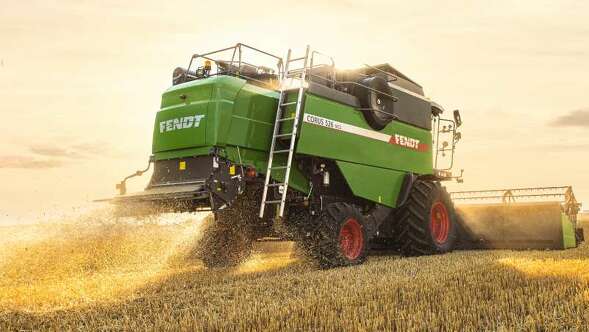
(521, 218)
(296, 149)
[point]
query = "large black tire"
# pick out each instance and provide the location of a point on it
(378, 108)
(339, 238)
(426, 223)
(228, 239)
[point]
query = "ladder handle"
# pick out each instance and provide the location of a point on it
(276, 134)
(294, 130)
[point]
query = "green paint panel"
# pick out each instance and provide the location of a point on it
(179, 104)
(236, 114)
(259, 159)
(339, 145)
(252, 119)
(379, 185)
(568, 233)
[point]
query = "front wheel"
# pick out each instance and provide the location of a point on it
(426, 223)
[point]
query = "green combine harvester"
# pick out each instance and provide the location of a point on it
(338, 160)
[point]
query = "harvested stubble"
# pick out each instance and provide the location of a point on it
(138, 277)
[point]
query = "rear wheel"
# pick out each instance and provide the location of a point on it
(426, 223)
(340, 236)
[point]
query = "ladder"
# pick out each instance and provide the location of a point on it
(290, 137)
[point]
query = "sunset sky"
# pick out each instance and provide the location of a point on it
(80, 81)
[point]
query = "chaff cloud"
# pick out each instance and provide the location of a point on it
(54, 154)
(28, 162)
(577, 118)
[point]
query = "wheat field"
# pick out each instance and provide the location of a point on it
(142, 276)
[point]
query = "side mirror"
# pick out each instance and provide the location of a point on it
(457, 118)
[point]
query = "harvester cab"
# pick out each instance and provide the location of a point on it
(297, 149)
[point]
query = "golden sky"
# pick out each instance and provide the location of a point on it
(80, 81)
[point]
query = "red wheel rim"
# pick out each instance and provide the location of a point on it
(440, 223)
(351, 239)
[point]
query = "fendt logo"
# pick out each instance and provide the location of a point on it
(405, 141)
(192, 121)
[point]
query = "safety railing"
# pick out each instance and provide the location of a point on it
(235, 65)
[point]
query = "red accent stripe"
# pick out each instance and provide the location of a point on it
(423, 147)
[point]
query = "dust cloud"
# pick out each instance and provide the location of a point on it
(95, 256)
(92, 257)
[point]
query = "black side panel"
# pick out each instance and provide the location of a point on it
(412, 109)
(168, 172)
(402, 79)
(332, 94)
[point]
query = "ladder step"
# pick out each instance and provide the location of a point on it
(294, 74)
(281, 151)
(282, 115)
(286, 119)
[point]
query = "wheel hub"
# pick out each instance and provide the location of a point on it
(351, 239)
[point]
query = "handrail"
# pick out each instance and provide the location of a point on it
(237, 53)
(395, 99)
